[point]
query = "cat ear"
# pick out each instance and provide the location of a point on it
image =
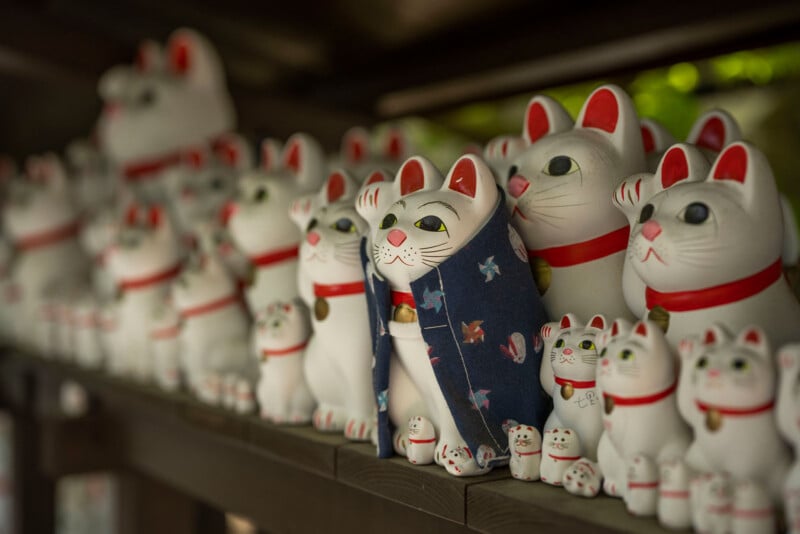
(149, 57)
(716, 334)
(416, 174)
(544, 116)
(714, 130)
(597, 323)
(302, 209)
(655, 137)
(618, 329)
(340, 185)
(395, 146)
(754, 338)
(304, 158)
(569, 321)
(680, 163)
(155, 216)
(646, 332)
(191, 57)
(270, 154)
(355, 146)
(745, 168)
(132, 215)
(472, 178)
(234, 151)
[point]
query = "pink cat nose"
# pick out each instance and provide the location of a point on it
(517, 185)
(567, 351)
(605, 363)
(651, 230)
(396, 237)
(714, 373)
(313, 238)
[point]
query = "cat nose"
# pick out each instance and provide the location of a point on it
(651, 230)
(567, 351)
(713, 373)
(605, 363)
(396, 237)
(313, 238)
(517, 185)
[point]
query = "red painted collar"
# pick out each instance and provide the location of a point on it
(577, 384)
(275, 256)
(585, 251)
(146, 169)
(572, 458)
(647, 399)
(48, 237)
(528, 453)
(698, 299)
(411, 440)
(402, 297)
(338, 290)
(141, 283)
(168, 332)
(283, 352)
(754, 410)
(642, 485)
(212, 306)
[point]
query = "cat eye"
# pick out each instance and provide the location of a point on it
(512, 171)
(696, 213)
(311, 225)
(560, 166)
(147, 97)
(431, 223)
(626, 355)
(646, 213)
(702, 363)
(344, 225)
(560, 343)
(587, 345)
(739, 364)
(261, 194)
(388, 221)
(276, 323)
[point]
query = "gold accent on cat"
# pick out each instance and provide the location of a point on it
(660, 316)
(713, 420)
(567, 391)
(542, 274)
(608, 403)
(403, 313)
(321, 308)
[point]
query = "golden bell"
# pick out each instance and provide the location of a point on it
(713, 420)
(542, 274)
(567, 391)
(403, 313)
(609, 405)
(660, 316)
(249, 276)
(321, 308)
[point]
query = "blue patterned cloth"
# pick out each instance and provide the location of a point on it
(480, 314)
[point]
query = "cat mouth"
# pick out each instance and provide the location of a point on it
(313, 257)
(401, 261)
(652, 251)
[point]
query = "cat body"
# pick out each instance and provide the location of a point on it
(561, 447)
(525, 444)
(787, 411)
(562, 190)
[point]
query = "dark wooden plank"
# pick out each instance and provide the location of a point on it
(78, 445)
(300, 445)
(512, 507)
(224, 422)
(429, 488)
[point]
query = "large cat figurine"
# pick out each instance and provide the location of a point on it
(787, 411)
(568, 376)
(710, 250)
(637, 380)
(454, 269)
(562, 188)
(338, 358)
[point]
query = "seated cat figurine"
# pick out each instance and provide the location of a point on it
(787, 411)
(454, 270)
(561, 447)
(525, 445)
(710, 250)
(562, 189)
(338, 358)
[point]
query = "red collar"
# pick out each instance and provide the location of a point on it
(573, 458)
(699, 299)
(402, 297)
(168, 332)
(577, 384)
(283, 352)
(421, 440)
(48, 237)
(703, 407)
(585, 251)
(146, 169)
(275, 256)
(642, 485)
(209, 307)
(338, 290)
(529, 453)
(140, 283)
(647, 399)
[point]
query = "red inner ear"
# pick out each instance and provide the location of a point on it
(195, 159)
(648, 140)
(674, 168)
(565, 322)
(732, 164)
(710, 337)
(412, 177)
(597, 322)
(536, 122)
(394, 150)
(464, 178)
(132, 215)
(179, 59)
(292, 159)
(712, 136)
(602, 111)
(376, 177)
(336, 187)
(641, 329)
(155, 216)
(753, 337)
(356, 150)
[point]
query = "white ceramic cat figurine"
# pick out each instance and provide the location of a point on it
(282, 331)
(360, 156)
(500, 153)
(168, 102)
(636, 378)
(94, 185)
(525, 444)
(215, 330)
(562, 188)
(337, 360)
(568, 375)
(732, 388)
(143, 262)
(421, 446)
(674, 508)
(561, 447)
(583, 478)
(165, 330)
(259, 220)
(788, 418)
(42, 225)
(710, 251)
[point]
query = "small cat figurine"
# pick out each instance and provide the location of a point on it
(562, 187)
(569, 373)
(282, 330)
(636, 378)
(337, 364)
(421, 441)
(787, 411)
(583, 478)
(561, 447)
(641, 496)
(732, 387)
(710, 251)
(674, 509)
(525, 444)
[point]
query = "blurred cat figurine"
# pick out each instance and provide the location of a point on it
(500, 153)
(165, 339)
(656, 139)
(525, 444)
(561, 447)
(788, 419)
(282, 330)
(562, 188)
(583, 478)
(360, 158)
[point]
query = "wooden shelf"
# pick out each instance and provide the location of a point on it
(286, 479)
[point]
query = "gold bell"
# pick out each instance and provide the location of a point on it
(609, 405)
(713, 420)
(403, 313)
(567, 391)
(542, 274)
(660, 316)
(321, 308)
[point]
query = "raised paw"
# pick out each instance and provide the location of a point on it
(421, 441)
(459, 461)
(583, 478)
(358, 428)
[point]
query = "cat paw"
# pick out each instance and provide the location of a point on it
(358, 428)
(459, 461)
(421, 445)
(583, 478)
(329, 419)
(610, 487)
